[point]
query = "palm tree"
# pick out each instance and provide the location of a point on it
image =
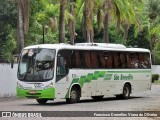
(99, 14)
(122, 11)
(107, 5)
(71, 22)
(102, 9)
(153, 9)
(23, 22)
(130, 16)
(62, 21)
(88, 32)
(106, 10)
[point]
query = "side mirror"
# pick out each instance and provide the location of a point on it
(14, 58)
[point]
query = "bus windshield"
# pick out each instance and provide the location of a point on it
(36, 65)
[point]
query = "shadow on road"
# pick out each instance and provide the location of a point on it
(87, 100)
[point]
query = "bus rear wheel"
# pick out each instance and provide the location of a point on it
(97, 97)
(126, 92)
(74, 96)
(42, 101)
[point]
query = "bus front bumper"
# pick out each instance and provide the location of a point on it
(36, 94)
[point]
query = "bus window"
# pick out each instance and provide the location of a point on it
(109, 60)
(102, 61)
(62, 62)
(123, 60)
(94, 59)
(144, 61)
(87, 59)
(77, 58)
(68, 56)
(128, 60)
(116, 62)
(147, 60)
(134, 60)
(141, 60)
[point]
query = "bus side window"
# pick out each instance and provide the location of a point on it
(141, 61)
(128, 60)
(134, 60)
(123, 60)
(77, 59)
(87, 59)
(108, 59)
(62, 63)
(147, 60)
(115, 55)
(94, 59)
(144, 61)
(102, 61)
(69, 59)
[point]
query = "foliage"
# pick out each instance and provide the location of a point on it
(157, 53)
(9, 46)
(157, 82)
(155, 77)
(153, 8)
(43, 14)
(114, 37)
(8, 16)
(140, 40)
(131, 22)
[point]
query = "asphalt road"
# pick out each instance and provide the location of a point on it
(144, 101)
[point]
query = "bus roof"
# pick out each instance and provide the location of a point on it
(88, 46)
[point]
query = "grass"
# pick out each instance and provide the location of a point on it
(157, 82)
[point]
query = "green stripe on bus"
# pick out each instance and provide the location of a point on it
(106, 75)
(84, 79)
(144, 71)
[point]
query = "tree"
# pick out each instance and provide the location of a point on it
(122, 13)
(153, 9)
(107, 6)
(62, 21)
(87, 22)
(157, 53)
(113, 11)
(23, 22)
(8, 18)
(71, 22)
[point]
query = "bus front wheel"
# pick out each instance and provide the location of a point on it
(74, 96)
(42, 101)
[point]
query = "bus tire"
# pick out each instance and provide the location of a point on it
(97, 98)
(126, 92)
(41, 101)
(74, 96)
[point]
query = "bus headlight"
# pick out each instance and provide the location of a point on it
(49, 86)
(20, 86)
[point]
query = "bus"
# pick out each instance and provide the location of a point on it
(63, 71)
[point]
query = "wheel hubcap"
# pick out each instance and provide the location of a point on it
(126, 91)
(73, 95)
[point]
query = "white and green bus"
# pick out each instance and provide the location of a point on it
(51, 71)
